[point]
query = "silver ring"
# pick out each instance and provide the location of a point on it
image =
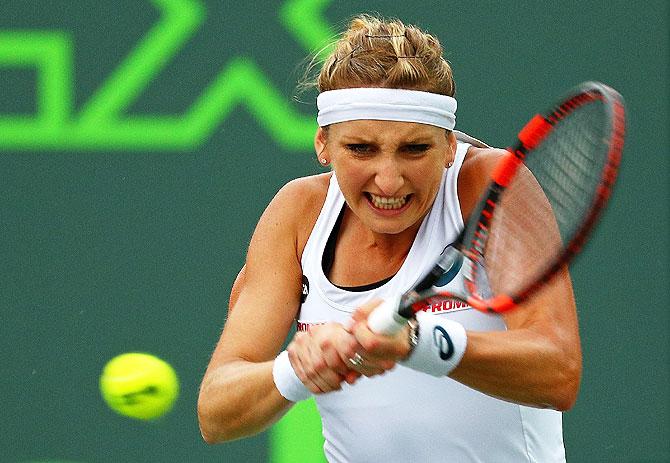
(356, 360)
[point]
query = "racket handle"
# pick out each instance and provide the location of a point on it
(385, 319)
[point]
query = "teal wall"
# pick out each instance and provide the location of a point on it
(136, 157)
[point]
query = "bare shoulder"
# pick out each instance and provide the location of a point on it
(284, 227)
(272, 266)
(312, 188)
(474, 175)
(300, 202)
(300, 197)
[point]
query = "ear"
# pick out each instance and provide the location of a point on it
(320, 145)
(451, 152)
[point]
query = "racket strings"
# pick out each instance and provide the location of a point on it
(547, 201)
(511, 252)
(570, 173)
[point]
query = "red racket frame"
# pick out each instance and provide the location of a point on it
(531, 136)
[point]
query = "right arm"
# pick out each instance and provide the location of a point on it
(238, 396)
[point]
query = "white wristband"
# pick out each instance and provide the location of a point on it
(287, 382)
(440, 348)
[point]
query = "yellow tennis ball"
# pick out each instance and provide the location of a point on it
(139, 385)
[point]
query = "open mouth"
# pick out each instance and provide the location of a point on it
(386, 202)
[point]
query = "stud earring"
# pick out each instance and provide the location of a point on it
(324, 161)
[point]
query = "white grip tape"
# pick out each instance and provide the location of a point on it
(441, 345)
(385, 319)
(287, 382)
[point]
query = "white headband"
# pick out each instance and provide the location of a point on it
(386, 104)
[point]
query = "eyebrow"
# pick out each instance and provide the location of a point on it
(415, 140)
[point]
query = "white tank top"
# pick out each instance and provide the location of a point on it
(405, 415)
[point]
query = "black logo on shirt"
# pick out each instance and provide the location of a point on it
(450, 273)
(305, 289)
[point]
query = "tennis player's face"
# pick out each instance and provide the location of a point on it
(389, 172)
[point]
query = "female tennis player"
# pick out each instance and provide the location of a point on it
(454, 385)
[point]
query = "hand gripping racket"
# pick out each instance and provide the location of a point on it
(544, 198)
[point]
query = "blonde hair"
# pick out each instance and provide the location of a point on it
(374, 52)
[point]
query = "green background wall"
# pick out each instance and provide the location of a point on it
(124, 216)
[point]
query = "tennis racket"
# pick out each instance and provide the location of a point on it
(545, 196)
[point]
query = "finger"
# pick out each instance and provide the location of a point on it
(376, 366)
(381, 347)
(347, 348)
(337, 348)
(369, 341)
(296, 363)
(320, 373)
(368, 369)
(361, 313)
(312, 365)
(331, 352)
(370, 372)
(352, 376)
(301, 348)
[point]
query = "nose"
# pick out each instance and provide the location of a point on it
(389, 177)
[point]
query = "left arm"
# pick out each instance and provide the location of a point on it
(537, 361)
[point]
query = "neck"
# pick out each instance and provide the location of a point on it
(389, 244)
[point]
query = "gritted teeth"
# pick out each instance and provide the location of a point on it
(385, 202)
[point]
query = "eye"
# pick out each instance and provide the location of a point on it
(416, 148)
(359, 148)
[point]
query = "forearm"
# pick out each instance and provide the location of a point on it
(239, 399)
(521, 366)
